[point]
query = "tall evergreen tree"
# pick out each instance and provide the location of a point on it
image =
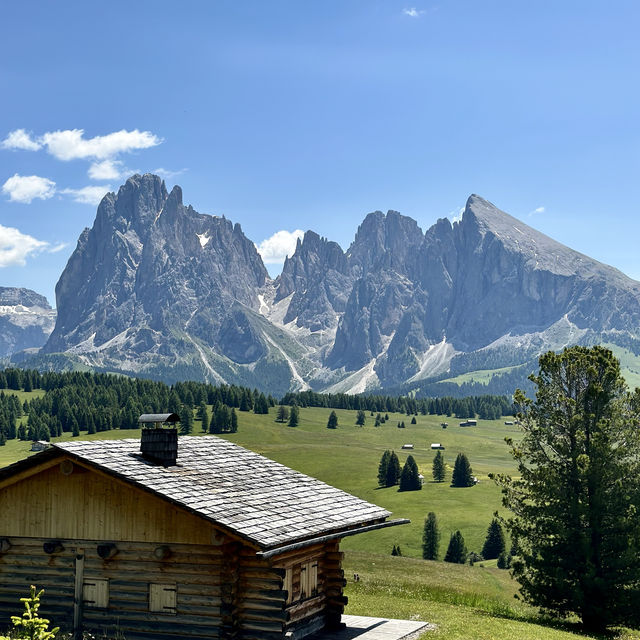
(462, 474)
(457, 550)
(234, 421)
(360, 418)
(576, 494)
(382, 468)
(282, 415)
(430, 537)
(494, 543)
(294, 416)
(393, 470)
(439, 470)
(332, 422)
(203, 416)
(410, 476)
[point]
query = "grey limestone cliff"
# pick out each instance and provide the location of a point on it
(26, 320)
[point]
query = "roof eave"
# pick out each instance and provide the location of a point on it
(269, 553)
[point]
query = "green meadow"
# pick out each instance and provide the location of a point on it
(465, 602)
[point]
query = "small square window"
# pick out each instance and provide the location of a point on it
(95, 593)
(162, 598)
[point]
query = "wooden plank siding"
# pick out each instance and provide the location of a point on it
(89, 505)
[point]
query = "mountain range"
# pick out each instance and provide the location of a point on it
(157, 289)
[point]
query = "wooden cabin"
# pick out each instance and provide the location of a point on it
(219, 542)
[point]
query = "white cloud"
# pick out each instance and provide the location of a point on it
(88, 195)
(413, 12)
(15, 247)
(106, 170)
(71, 143)
(167, 174)
(58, 247)
(280, 245)
(538, 210)
(20, 139)
(27, 188)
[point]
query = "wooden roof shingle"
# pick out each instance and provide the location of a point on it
(262, 501)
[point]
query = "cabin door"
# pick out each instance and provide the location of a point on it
(78, 595)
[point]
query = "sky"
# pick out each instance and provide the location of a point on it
(286, 116)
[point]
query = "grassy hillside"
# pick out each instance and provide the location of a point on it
(466, 602)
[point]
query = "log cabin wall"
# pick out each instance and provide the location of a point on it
(185, 587)
(314, 580)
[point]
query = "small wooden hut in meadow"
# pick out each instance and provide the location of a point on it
(170, 537)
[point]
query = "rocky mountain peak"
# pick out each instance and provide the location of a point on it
(26, 320)
(384, 241)
(13, 296)
(150, 266)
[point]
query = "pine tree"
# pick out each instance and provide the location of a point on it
(494, 543)
(186, 420)
(332, 422)
(462, 473)
(360, 418)
(382, 468)
(76, 430)
(456, 551)
(410, 476)
(439, 469)
(393, 470)
(294, 416)
(430, 537)
(234, 421)
(282, 415)
(576, 494)
(203, 415)
(413, 420)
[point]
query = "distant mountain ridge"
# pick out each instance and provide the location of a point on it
(26, 320)
(156, 288)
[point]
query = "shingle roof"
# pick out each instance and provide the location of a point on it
(259, 499)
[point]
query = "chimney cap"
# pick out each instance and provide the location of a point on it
(156, 420)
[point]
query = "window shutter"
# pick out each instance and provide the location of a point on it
(95, 592)
(313, 578)
(304, 582)
(288, 585)
(162, 598)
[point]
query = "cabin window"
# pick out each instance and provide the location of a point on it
(162, 598)
(288, 584)
(309, 579)
(95, 593)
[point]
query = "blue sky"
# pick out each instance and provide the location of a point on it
(286, 115)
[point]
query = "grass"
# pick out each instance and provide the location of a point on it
(481, 376)
(464, 602)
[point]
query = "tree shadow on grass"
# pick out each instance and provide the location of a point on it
(570, 626)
